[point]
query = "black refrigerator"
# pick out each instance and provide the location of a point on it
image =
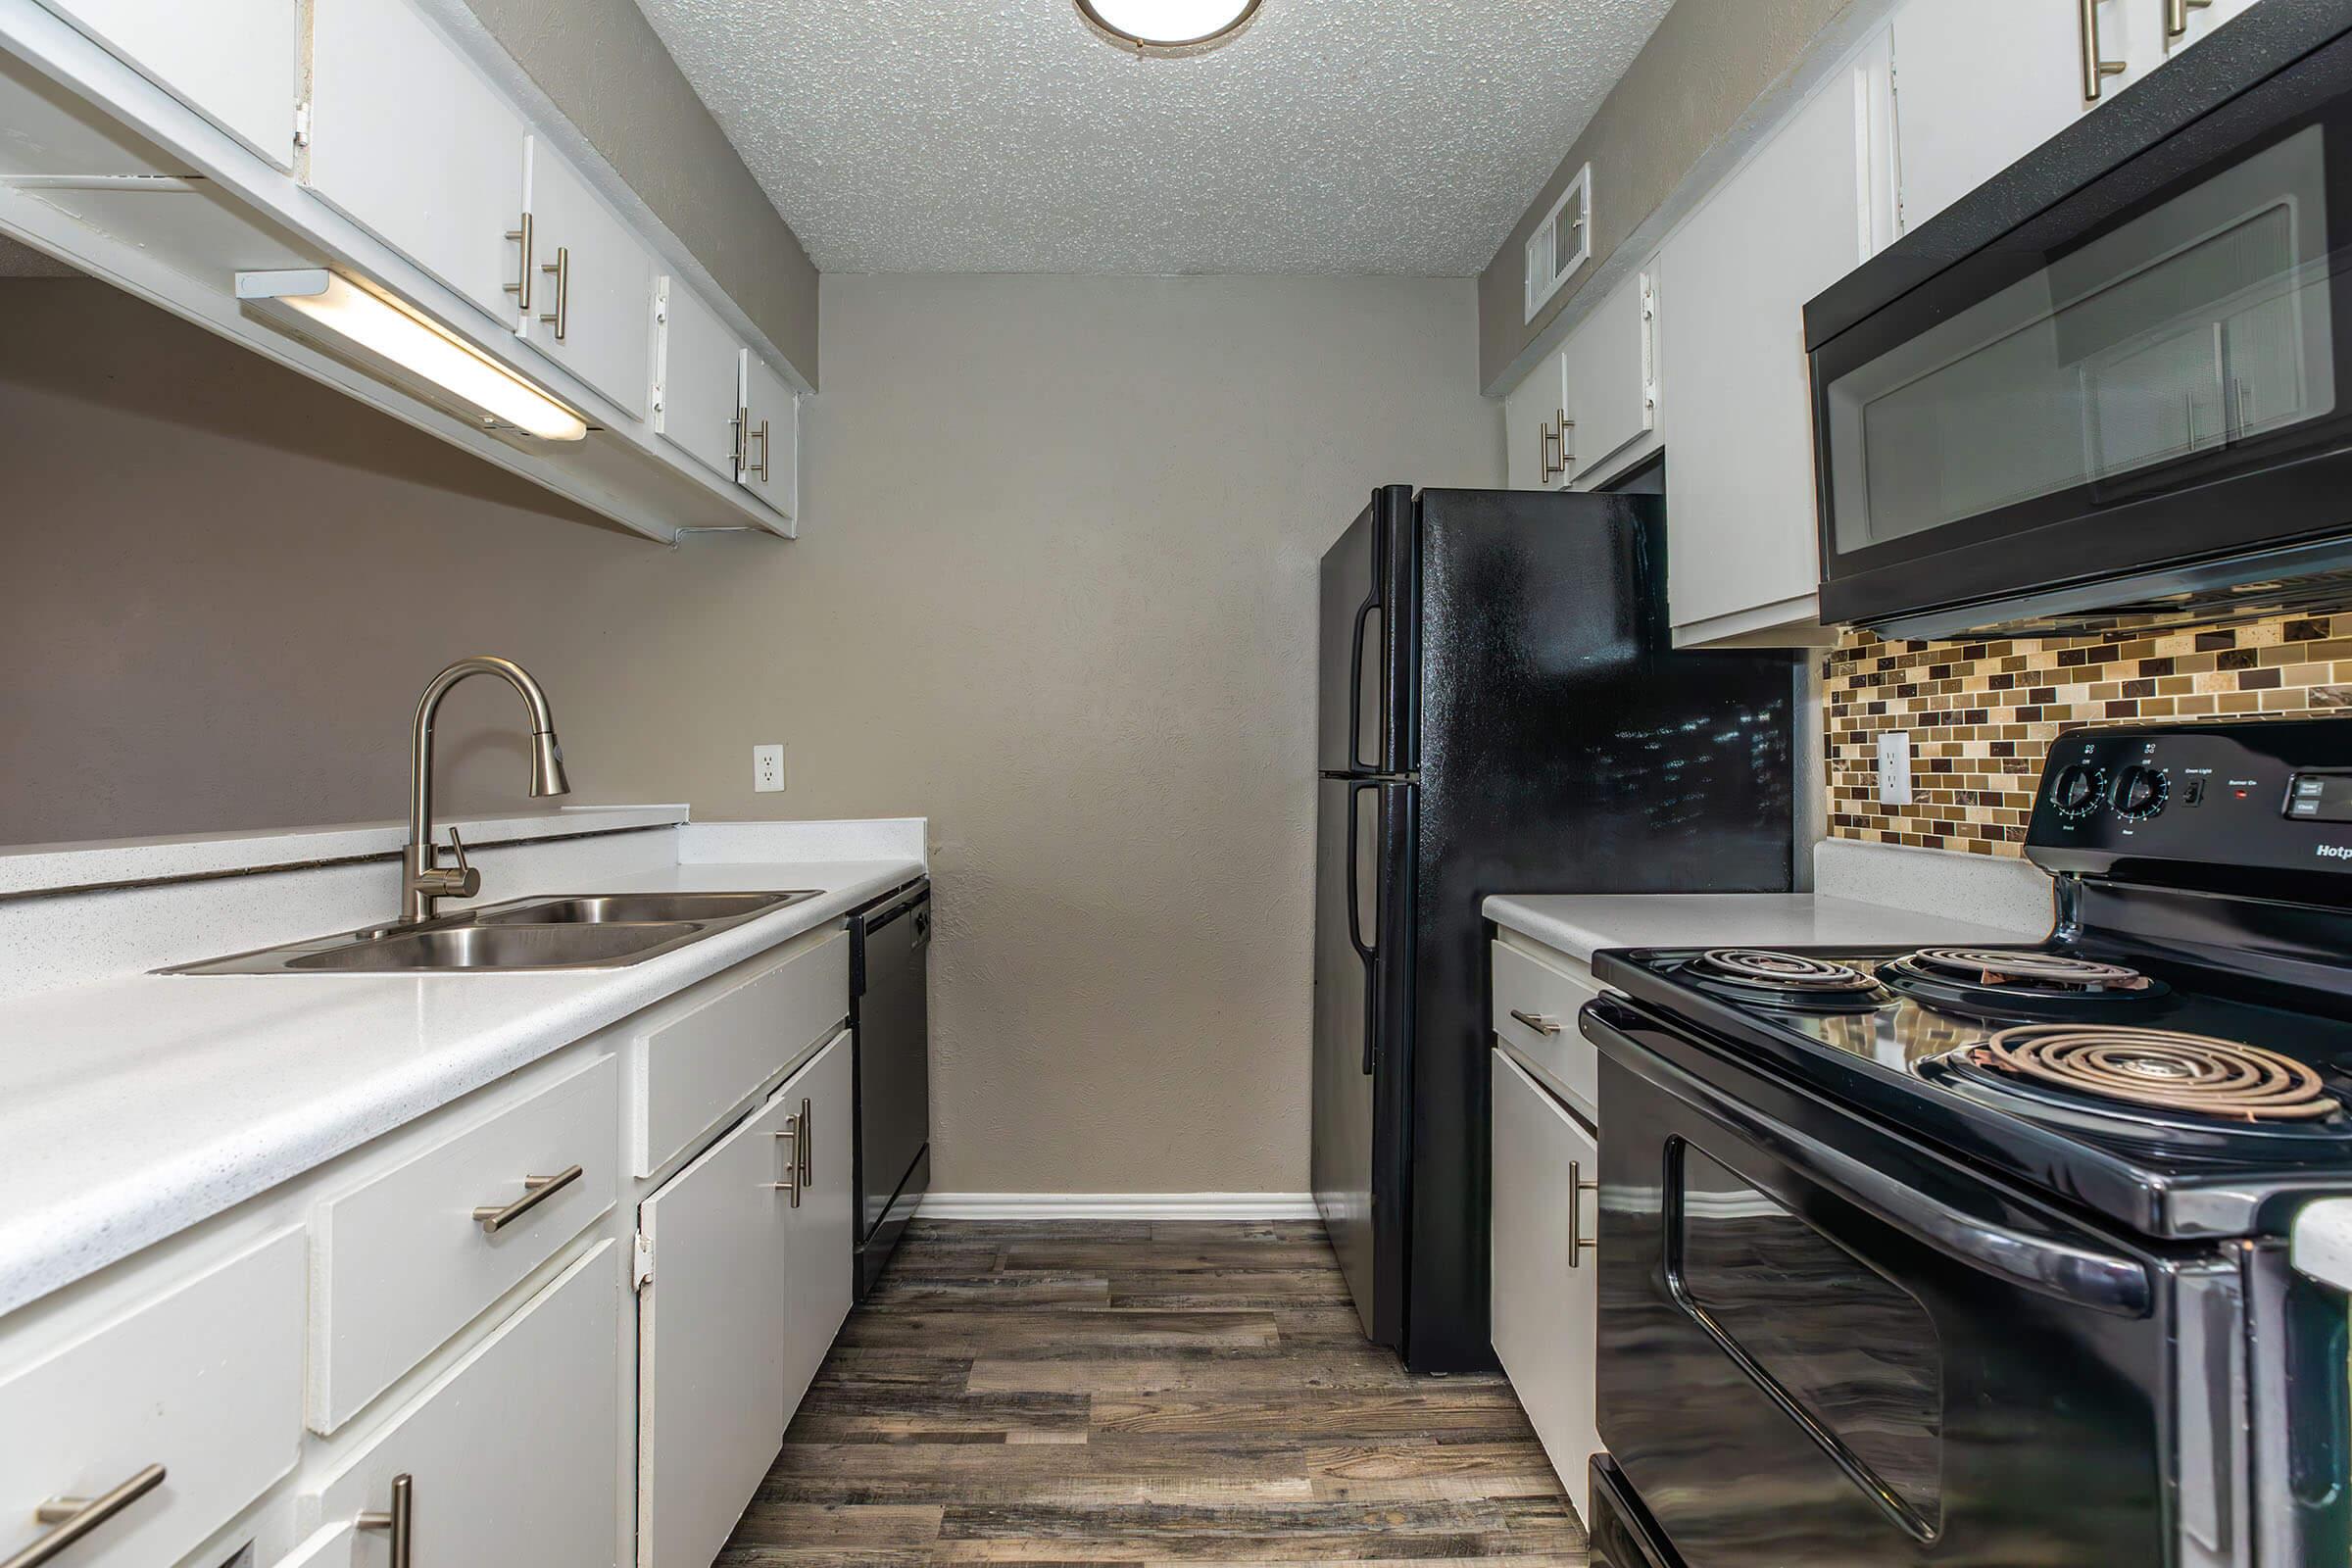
(1502, 712)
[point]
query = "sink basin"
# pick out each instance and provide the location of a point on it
(629, 908)
(577, 931)
(501, 946)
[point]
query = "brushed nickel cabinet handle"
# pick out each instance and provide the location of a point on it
(792, 1163)
(808, 1146)
(1577, 1187)
(560, 270)
(2095, 68)
(2176, 16)
(536, 1190)
(395, 1521)
(1567, 458)
(755, 470)
(1538, 1023)
(521, 290)
(1554, 439)
(76, 1517)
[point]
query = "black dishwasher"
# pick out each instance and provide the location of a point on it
(890, 947)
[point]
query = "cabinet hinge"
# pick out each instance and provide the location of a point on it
(644, 1274)
(302, 123)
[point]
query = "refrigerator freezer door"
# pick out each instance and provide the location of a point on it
(1367, 623)
(1363, 939)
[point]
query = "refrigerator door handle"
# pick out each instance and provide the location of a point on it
(1355, 692)
(1356, 933)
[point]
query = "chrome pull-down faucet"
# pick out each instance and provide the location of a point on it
(423, 880)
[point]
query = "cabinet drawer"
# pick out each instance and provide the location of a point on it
(693, 1069)
(1546, 1302)
(204, 1382)
(1553, 1048)
(513, 1456)
(402, 1261)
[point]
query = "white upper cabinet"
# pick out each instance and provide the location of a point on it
(771, 437)
(235, 61)
(698, 379)
(409, 140)
(1806, 209)
(1611, 372)
(1538, 449)
(590, 284)
(1972, 97)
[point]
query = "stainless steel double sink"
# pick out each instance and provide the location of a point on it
(585, 931)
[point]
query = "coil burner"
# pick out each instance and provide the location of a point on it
(1996, 982)
(1787, 980)
(2162, 1070)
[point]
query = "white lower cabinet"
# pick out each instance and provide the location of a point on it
(511, 1459)
(1545, 1307)
(821, 1231)
(203, 1383)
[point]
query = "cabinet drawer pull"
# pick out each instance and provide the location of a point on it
(560, 270)
(1578, 1187)
(1538, 1023)
(536, 1190)
(792, 1182)
(76, 1517)
(755, 470)
(522, 290)
(395, 1521)
(2096, 67)
(2176, 16)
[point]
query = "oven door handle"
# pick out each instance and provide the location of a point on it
(2048, 1264)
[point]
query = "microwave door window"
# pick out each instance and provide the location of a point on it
(2197, 325)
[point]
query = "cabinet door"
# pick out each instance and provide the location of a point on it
(412, 143)
(710, 1359)
(1739, 480)
(820, 1248)
(233, 62)
(1531, 417)
(1972, 97)
(771, 439)
(1545, 1307)
(1609, 368)
(590, 306)
(513, 1455)
(698, 390)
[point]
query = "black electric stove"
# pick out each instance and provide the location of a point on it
(2002, 1231)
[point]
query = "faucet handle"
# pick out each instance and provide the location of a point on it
(464, 881)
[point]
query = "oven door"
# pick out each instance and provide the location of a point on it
(1824, 1345)
(2118, 404)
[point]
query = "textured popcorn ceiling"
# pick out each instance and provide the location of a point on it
(1396, 136)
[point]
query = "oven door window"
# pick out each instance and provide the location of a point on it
(1850, 1357)
(2170, 346)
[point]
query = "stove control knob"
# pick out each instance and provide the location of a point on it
(2140, 793)
(2076, 790)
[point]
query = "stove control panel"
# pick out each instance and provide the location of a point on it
(2158, 803)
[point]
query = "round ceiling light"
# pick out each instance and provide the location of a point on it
(1168, 26)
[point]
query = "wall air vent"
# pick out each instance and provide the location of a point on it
(1561, 243)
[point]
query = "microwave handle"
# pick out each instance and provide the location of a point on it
(2045, 1264)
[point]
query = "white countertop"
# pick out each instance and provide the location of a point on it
(1580, 924)
(137, 1107)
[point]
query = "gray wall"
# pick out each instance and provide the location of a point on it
(1057, 591)
(1691, 84)
(601, 63)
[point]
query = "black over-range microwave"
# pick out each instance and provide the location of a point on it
(2112, 386)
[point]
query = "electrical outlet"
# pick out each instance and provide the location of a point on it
(767, 768)
(1895, 767)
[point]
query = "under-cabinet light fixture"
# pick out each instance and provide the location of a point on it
(383, 337)
(1168, 26)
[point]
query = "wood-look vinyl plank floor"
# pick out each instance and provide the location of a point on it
(1142, 1393)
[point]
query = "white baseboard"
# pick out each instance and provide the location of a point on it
(1118, 1205)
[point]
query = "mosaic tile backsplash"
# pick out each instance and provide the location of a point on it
(1982, 714)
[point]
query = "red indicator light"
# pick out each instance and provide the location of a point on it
(2241, 794)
